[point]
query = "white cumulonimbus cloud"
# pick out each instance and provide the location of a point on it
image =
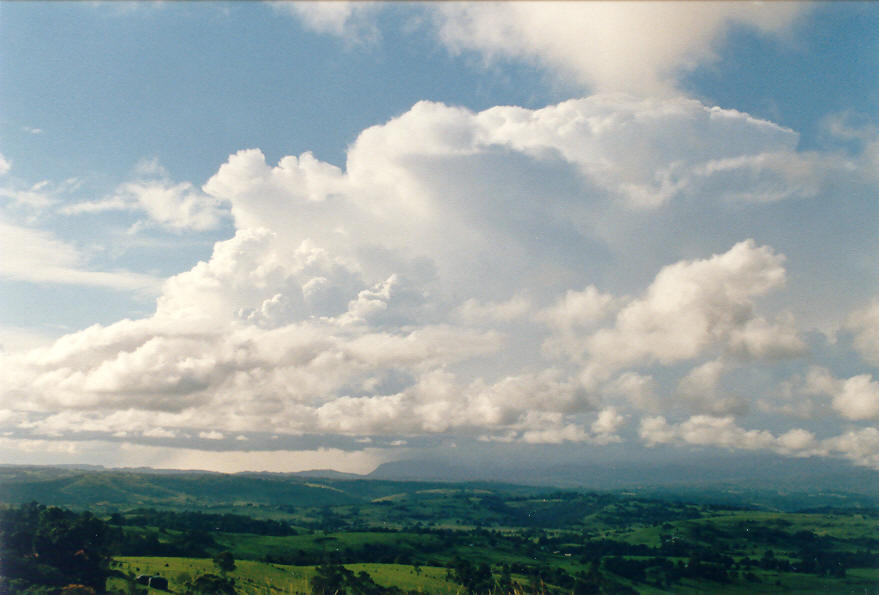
(442, 283)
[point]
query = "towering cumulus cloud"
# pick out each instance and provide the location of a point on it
(469, 274)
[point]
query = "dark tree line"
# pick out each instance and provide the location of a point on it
(42, 545)
(202, 522)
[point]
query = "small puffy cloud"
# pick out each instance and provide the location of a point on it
(704, 430)
(858, 398)
(174, 206)
(638, 389)
(761, 339)
(350, 20)
(606, 426)
(700, 390)
(579, 309)
(796, 440)
(864, 324)
(568, 433)
(693, 307)
(5, 165)
(472, 311)
(855, 398)
(158, 432)
(573, 316)
(527, 407)
(859, 446)
(511, 397)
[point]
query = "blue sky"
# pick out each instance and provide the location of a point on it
(577, 225)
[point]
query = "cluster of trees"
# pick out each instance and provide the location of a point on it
(475, 578)
(51, 546)
(191, 544)
(332, 578)
(478, 578)
(45, 547)
(210, 584)
(202, 522)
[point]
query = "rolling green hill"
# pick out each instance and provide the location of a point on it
(262, 493)
(287, 531)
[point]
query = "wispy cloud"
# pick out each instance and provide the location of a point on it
(352, 21)
(176, 206)
(39, 257)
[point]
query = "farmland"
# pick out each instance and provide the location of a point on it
(295, 535)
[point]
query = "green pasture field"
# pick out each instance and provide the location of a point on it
(858, 582)
(250, 576)
(778, 582)
(428, 579)
(269, 579)
(247, 545)
(836, 526)
(844, 526)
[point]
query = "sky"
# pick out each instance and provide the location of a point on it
(291, 236)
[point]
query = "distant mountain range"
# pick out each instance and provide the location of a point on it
(749, 471)
(763, 480)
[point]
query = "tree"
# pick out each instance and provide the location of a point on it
(225, 562)
(475, 579)
(210, 584)
(330, 579)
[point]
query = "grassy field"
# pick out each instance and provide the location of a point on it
(258, 546)
(260, 578)
(263, 578)
(250, 576)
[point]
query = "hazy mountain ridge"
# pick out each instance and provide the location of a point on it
(750, 472)
(782, 484)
